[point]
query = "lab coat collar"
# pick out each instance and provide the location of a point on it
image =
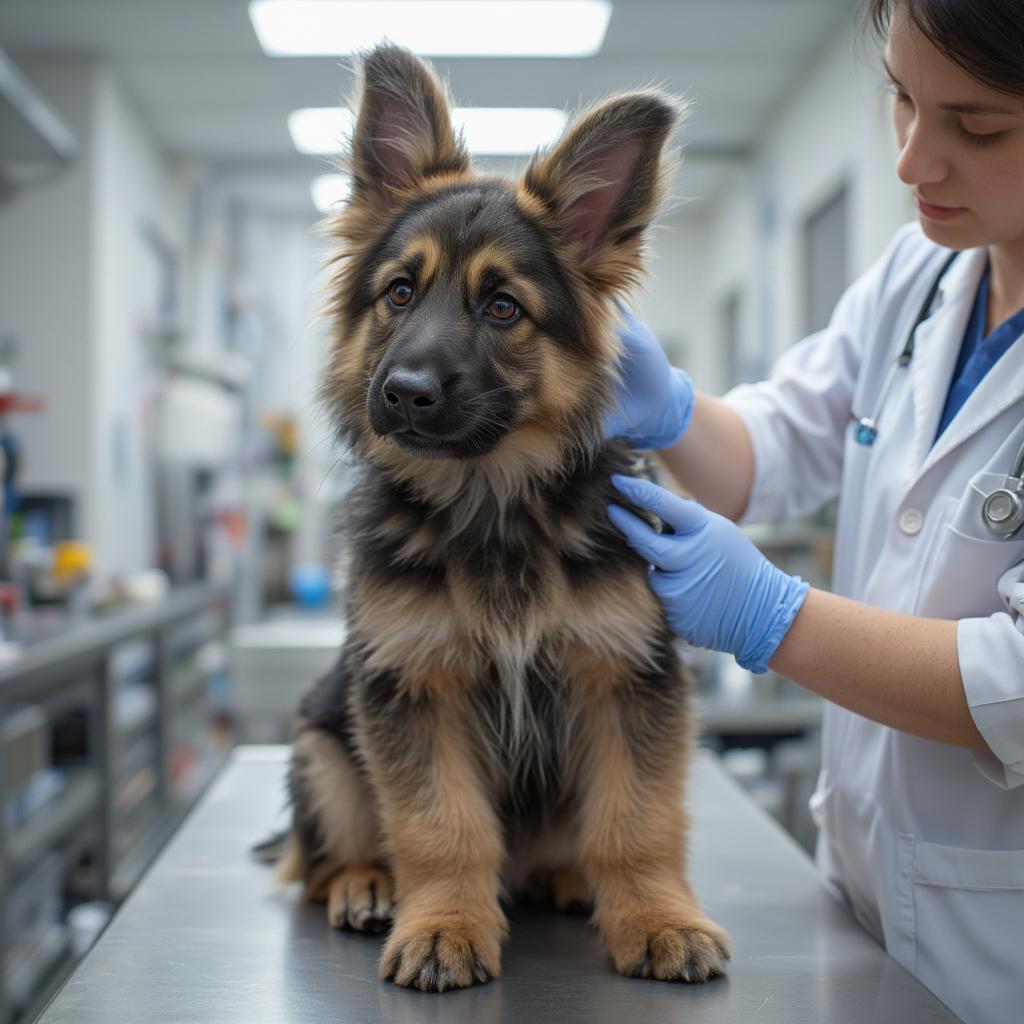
(963, 276)
(935, 354)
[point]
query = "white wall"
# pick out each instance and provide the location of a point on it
(78, 289)
(134, 189)
(46, 299)
(832, 130)
(673, 303)
(279, 271)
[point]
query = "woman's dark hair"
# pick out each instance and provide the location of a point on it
(984, 37)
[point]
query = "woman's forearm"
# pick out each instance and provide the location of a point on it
(714, 459)
(896, 669)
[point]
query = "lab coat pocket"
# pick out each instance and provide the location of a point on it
(968, 910)
(967, 559)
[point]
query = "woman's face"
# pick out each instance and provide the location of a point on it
(961, 145)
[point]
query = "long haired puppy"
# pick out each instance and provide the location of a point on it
(508, 711)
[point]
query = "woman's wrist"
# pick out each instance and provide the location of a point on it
(713, 458)
(789, 594)
(897, 669)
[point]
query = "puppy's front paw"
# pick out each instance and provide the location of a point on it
(440, 956)
(694, 950)
(360, 898)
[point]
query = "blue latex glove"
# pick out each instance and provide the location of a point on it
(654, 402)
(717, 589)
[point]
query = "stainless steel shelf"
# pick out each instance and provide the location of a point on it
(138, 725)
(78, 802)
(55, 962)
(85, 646)
(134, 865)
(76, 669)
(187, 685)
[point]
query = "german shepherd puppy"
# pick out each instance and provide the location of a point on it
(508, 711)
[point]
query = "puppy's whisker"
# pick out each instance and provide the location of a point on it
(334, 465)
(473, 399)
(313, 447)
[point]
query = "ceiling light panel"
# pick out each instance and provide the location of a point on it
(320, 130)
(491, 131)
(445, 28)
(329, 190)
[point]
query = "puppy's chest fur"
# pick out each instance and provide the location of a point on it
(481, 585)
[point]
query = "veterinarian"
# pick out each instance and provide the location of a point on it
(909, 407)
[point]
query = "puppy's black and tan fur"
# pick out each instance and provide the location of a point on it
(508, 711)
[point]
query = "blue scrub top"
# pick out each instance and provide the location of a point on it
(978, 354)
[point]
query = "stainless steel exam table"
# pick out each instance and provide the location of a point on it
(207, 938)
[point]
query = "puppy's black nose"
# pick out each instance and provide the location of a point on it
(412, 391)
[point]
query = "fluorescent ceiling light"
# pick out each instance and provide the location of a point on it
(328, 190)
(494, 131)
(506, 131)
(449, 28)
(320, 130)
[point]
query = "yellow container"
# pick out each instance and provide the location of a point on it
(71, 558)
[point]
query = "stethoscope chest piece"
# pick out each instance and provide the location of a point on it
(1003, 510)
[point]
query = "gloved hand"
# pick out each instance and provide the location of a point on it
(717, 589)
(654, 402)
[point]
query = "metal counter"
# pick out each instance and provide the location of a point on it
(73, 671)
(207, 938)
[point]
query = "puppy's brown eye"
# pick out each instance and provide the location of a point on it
(400, 293)
(503, 308)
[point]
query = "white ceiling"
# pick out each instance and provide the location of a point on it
(200, 80)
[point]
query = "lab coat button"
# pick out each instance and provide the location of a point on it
(911, 521)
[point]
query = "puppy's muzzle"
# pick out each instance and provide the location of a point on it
(415, 395)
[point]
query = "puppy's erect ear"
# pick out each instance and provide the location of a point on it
(403, 132)
(605, 179)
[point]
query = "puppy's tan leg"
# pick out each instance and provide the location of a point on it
(336, 839)
(633, 839)
(445, 844)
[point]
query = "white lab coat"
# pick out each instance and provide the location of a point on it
(925, 840)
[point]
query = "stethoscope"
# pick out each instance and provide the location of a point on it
(1003, 510)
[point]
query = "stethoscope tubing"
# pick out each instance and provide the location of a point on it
(866, 429)
(867, 426)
